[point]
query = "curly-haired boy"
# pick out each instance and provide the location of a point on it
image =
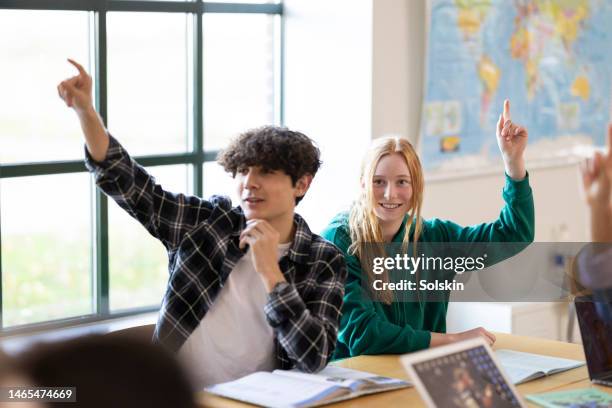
(250, 287)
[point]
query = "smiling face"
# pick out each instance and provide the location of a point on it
(268, 194)
(391, 189)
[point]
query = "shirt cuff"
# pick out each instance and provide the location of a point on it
(517, 189)
(284, 302)
(114, 154)
(420, 340)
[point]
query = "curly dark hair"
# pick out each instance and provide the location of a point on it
(272, 148)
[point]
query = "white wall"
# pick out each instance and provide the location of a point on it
(397, 85)
(328, 94)
(349, 77)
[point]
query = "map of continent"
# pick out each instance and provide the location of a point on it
(551, 58)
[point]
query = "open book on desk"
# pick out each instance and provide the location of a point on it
(292, 388)
(522, 367)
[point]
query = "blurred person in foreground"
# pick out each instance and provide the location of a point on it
(109, 372)
(12, 378)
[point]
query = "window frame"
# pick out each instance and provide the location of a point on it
(194, 158)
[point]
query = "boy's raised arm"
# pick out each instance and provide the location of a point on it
(76, 93)
(166, 215)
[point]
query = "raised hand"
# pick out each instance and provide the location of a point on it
(597, 176)
(512, 141)
(76, 91)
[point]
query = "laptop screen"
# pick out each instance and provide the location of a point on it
(464, 379)
(596, 339)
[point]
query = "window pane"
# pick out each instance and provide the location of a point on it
(147, 81)
(138, 262)
(46, 248)
(239, 67)
(218, 182)
(35, 125)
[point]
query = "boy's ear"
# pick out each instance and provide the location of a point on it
(303, 184)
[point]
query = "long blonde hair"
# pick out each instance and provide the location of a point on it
(363, 222)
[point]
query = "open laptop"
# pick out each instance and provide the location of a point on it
(464, 374)
(596, 341)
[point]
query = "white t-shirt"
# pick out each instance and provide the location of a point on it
(234, 338)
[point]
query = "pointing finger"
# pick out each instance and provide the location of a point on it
(78, 66)
(506, 110)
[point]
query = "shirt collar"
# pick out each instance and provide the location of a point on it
(300, 249)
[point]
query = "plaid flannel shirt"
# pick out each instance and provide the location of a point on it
(201, 237)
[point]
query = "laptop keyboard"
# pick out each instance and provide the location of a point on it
(603, 382)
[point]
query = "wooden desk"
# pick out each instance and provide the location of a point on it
(389, 365)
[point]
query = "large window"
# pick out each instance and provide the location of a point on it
(174, 82)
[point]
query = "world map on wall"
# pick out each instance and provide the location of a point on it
(551, 58)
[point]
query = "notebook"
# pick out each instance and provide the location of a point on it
(586, 397)
(463, 374)
(282, 388)
(522, 367)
